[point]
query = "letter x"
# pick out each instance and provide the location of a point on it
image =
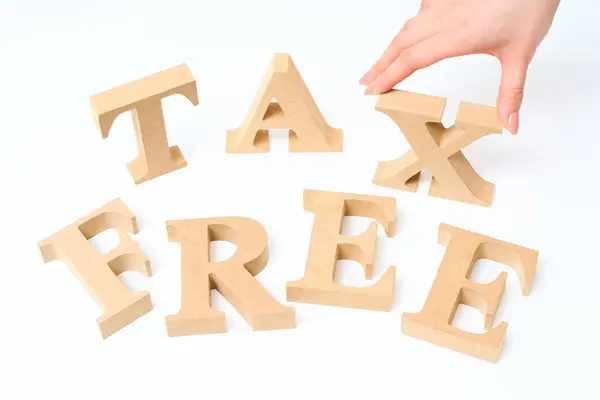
(436, 148)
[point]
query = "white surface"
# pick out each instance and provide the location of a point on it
(54, 168)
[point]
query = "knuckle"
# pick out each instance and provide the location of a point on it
(516, 94)
(410, 58)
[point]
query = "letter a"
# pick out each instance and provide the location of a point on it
(452, 287)
(295, 110)
(436, 148)
(143, 97)
(233, 278)
(99, 272)
(327, 246)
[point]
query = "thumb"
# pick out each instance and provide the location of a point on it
(510, 95)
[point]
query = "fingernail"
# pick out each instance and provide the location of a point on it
(367, 78)
(372, 88)
(513, 123)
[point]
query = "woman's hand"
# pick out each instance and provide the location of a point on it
(510, 30)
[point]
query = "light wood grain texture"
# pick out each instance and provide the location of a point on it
(294, 109)
(328, 245)
(143, 98)
(436, 148)
(98, 272)
(233, 278)
(452, 287)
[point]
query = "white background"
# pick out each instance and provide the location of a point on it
(54, 168)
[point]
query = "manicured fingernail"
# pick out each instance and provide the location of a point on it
(513, 123)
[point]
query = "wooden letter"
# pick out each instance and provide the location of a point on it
(452, 287)
(143, 97)
(295, 110)
(436, 148)
(99, 272)
(327, 246)
(233, 278)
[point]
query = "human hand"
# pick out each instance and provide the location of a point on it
(510, 30)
